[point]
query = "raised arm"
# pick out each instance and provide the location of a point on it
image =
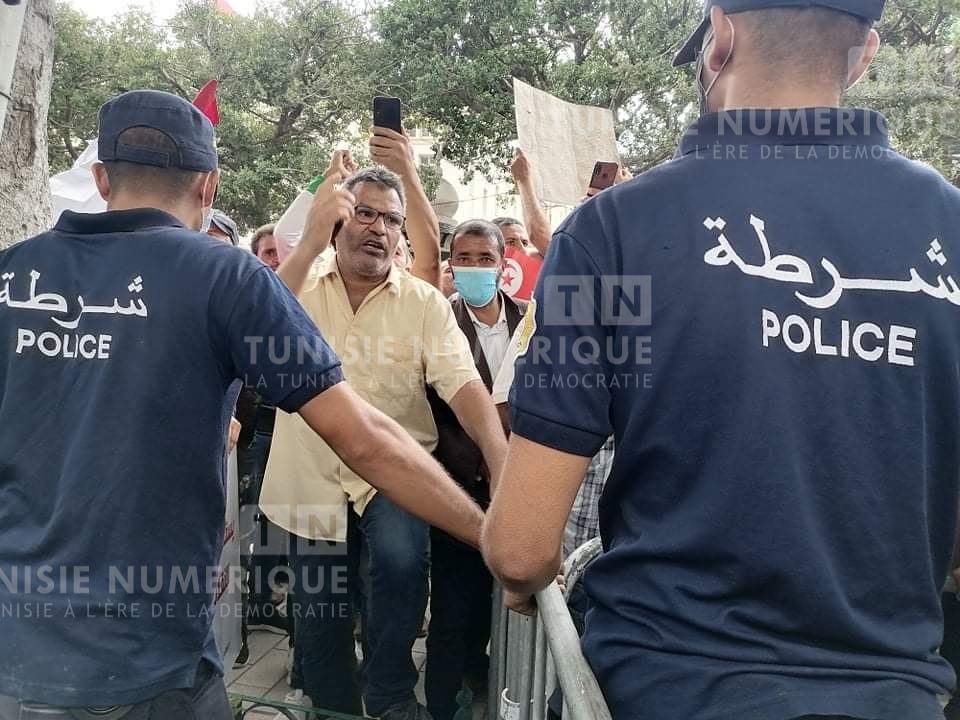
(534, 218)
(331, 205)
(394, 152)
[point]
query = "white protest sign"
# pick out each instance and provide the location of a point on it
(75, 189)
(563, 142)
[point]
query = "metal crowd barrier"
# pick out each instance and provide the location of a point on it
(531, 656)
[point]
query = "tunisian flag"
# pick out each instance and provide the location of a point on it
(520, 274)
(224, 7)
(206, 101)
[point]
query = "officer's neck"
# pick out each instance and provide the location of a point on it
(185, 215)
(743, 92)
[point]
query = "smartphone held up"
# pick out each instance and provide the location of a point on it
(604, 176)
(387, 113)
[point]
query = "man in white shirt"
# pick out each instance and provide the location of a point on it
(461, 583)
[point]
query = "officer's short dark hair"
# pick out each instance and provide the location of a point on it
(170, 182)
(502, 222)
(480, 228)
(259, 235)
(811, 41)
(377, 176)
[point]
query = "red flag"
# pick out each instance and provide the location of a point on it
(520, 274)
(206, 101)
(224, 7)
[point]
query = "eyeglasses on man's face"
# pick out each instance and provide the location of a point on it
(368, 216)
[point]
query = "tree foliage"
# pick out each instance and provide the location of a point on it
(916, 81)
(293, 82)
(455, 61)
(454, 58)
(298, 76)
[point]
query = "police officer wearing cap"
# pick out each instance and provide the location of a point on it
(222, 227)
(769, 325)
(125, 336)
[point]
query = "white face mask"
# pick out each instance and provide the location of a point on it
(207, 211)
(704, 92)
(207, 219)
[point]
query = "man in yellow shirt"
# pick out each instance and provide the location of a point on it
(396, 335)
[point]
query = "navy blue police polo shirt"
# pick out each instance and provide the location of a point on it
(122, 334)
(769, 325)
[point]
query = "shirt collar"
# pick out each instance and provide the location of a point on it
(116, 221)
(502, 320)
(328, 266)
(799, 126)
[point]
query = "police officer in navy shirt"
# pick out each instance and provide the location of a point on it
(123, 337)
(769, 325)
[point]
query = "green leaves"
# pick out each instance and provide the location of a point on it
(294, 82)
(915, 81)
(455, 61)
(298, 77)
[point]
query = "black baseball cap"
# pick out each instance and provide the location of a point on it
(187, 127)
(866, 9)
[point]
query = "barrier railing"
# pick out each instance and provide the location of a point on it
(532, 655)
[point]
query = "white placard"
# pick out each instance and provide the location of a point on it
(563, 142)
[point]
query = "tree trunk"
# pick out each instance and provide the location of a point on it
(24, 179)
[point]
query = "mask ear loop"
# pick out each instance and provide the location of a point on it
(733, 40)
(700, 63)
(856, 82)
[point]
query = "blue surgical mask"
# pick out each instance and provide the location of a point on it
(477, 286)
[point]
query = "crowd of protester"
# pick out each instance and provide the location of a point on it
(440, 397)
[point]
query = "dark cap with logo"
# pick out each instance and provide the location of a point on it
(185, 125)
(866, 9)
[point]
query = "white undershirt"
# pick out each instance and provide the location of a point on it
(493, 340)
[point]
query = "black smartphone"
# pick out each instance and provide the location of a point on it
(387, 114)
(604, 175)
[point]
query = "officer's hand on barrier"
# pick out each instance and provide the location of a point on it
(233, 435)
(527, 604)
(519, 603)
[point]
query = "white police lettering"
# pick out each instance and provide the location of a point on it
(866, 341)
(66, 345)
(783, 268)
(57, 304)
(791, 269)
(51, 344)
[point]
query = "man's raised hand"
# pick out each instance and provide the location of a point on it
(392, 150)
